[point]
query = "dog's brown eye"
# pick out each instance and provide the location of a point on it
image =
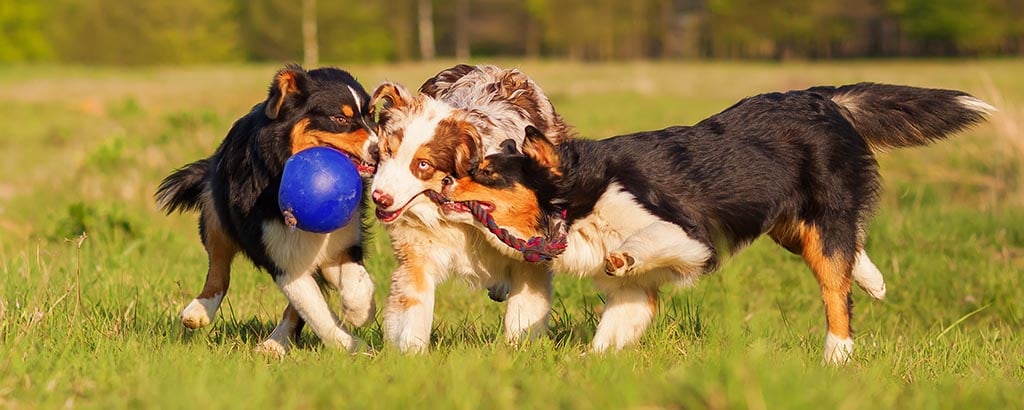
(448, 180)
(341, 119)
(423, 165)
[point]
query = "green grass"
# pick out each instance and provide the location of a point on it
(96, 325)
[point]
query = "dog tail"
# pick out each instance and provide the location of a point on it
(182, 190)
(893, 116)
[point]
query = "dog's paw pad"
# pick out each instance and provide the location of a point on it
(618, 263)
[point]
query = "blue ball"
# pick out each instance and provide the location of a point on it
(321, 188)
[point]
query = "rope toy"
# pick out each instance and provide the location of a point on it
(535, 249)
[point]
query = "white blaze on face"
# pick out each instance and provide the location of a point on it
(394, 173)
(355, 96)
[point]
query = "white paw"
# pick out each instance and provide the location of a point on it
(868, 277)
(614, 342)
(838, 350)
(405, 341)
(413, 346)
(274, 348)
(359, 315)
(357, 304)
(876, 291)
(200, 312)
(600, 347)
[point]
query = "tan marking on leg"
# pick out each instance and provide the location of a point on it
(407, 302)
(409, 310)
(291, 315)
(787, 233)
(834, 276)
(413, 267)
(221, 251)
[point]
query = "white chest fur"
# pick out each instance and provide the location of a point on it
(299, 252)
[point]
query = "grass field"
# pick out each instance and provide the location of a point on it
(93, 321)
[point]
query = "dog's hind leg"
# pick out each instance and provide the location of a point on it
(868, 277)
(660, 244)
(529, 303)
(628, 310)
(825, 250)
(280, 340)
(220, 250)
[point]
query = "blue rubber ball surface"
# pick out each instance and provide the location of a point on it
(321, 187)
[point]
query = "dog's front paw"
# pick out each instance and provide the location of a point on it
(199, 313)
(618, 264)
(357, 305)
(359, 313)
(356, 291)
(274, 348)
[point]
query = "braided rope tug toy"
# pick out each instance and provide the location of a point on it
(535, 249)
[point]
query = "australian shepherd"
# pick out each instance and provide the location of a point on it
(235, 193)
(459, 115)
(649, 208)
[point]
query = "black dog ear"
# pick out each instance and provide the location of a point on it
(289, 83)
(508, 147)
(540, 149)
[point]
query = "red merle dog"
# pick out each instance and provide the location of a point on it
(460, 115)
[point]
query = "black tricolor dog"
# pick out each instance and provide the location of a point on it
(235, 192)
(655, 207)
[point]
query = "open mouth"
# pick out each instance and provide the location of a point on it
(365, 168)
(391, 216)
(468, 206)
(450, 206)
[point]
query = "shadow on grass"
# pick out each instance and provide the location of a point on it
(238, 333)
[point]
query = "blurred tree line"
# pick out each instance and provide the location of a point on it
(198, 31)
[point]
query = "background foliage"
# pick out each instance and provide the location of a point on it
(190, 31)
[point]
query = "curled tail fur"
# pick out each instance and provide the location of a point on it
(182, 190)
(893, 116)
